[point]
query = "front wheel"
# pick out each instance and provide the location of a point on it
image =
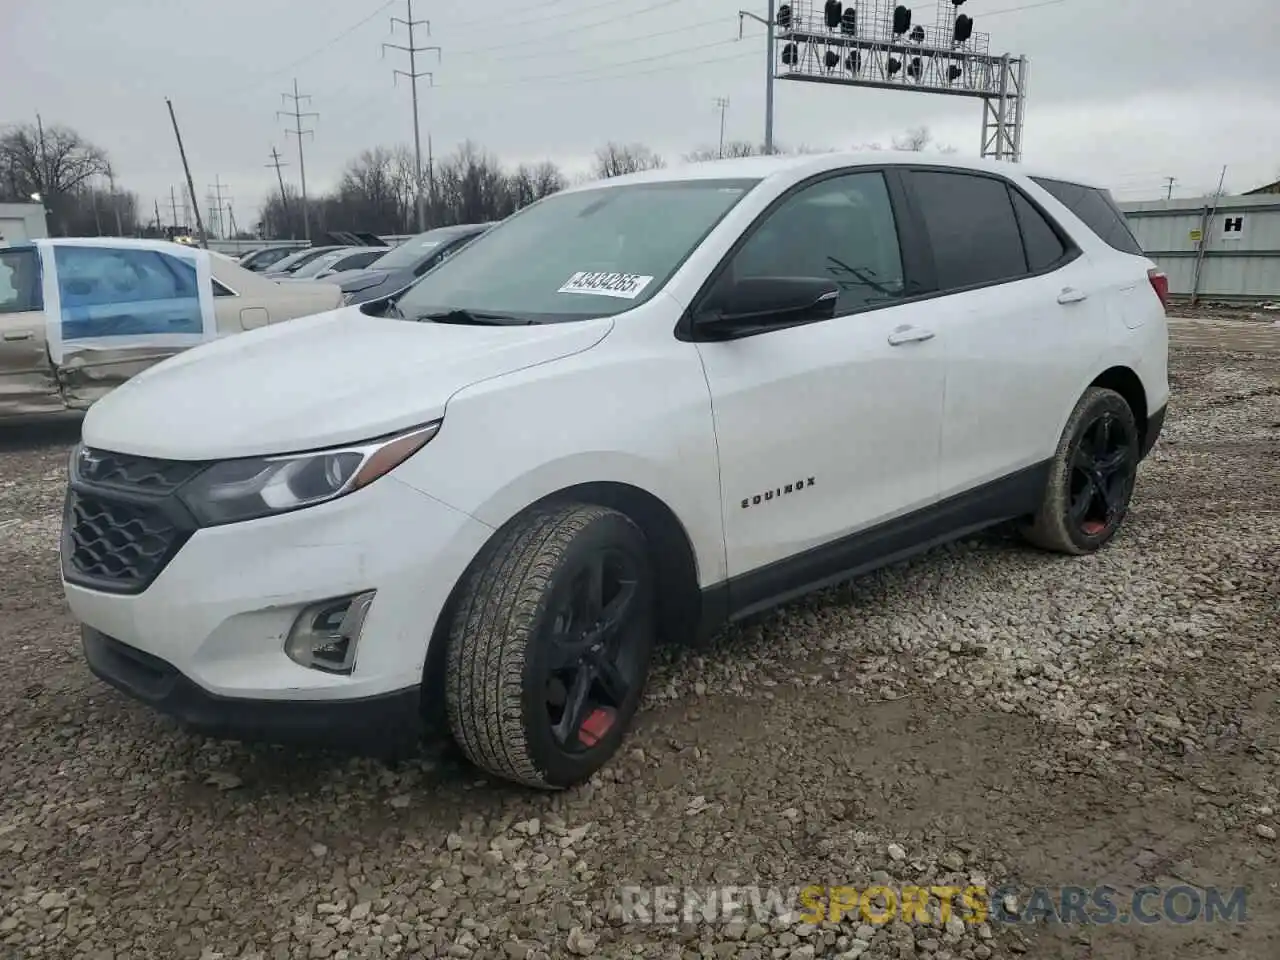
(550, 646)
(1091, 478)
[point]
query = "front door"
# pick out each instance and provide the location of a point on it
(115, 309)
(827, 429)
(27, 384)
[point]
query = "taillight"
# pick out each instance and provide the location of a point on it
(1160, 284)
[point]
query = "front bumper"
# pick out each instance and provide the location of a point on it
(387, 723)
(211, 627)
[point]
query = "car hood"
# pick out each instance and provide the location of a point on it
(328, 379)
(353, 281)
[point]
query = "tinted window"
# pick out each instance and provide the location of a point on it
(583, 253)
(357, 261)
(1043, 245)
(840, 229)
(1098, 211)
(971, 228)
(219, 290)
(121, 292)
(19, 281)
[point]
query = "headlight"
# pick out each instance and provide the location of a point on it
(236, 490)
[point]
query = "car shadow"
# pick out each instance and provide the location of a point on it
(36, 432)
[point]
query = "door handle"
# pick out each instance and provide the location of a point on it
(909, 335)
(18, 335)
(1072, 295)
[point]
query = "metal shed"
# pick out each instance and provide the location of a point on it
(1223, 248)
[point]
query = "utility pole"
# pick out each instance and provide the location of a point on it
(220, 203)
(769, 20)
(159, 226)
(42, 187)
(231, 219)
(173, 206)
(298, 132)
(413, 50)
(722, 104)
(1206, 225)
(115, 203)
(191, 184)
(1169, 192)
(284, 199)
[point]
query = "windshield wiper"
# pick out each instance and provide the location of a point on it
(473, 318)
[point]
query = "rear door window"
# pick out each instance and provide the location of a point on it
(971, 227)
(1098, 211)
(1043, 245)
(20, 281)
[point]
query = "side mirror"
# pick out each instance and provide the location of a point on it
(758, 304)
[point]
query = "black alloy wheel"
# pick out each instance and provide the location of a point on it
(1103, 471)
(1091, 477)
(550, 645)
(591, 670)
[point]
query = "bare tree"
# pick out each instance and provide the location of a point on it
(54, 166)
(531, 183)
(918, 140)
(734, 148)
(616, 159)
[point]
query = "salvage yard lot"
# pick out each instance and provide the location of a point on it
(996, 714)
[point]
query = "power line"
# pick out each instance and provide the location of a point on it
(579, 73)
(280, 71)
(413, 74)
(557, 51)
(298, 132)
(576, 28)
(536, 18)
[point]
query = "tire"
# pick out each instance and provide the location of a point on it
(1067, 522)
(525, 612)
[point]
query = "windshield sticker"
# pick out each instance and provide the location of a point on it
(625, 286)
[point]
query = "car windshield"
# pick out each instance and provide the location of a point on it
(318, 264)
(575, 255)
(412, 250)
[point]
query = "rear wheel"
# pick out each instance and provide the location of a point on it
(550, 645)
(1092, 476)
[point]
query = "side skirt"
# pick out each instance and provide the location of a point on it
(1008, 498)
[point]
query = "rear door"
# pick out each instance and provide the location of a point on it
(1023, 321)
(114, 309)
(26, 375)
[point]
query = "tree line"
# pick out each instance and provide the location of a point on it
(376, 192)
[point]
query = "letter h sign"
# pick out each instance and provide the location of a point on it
(1233, 225)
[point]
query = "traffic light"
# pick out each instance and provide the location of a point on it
(957, 2)
(901, 19)
(784, 16)
(849, 21)
(963, 30)
(790, 55)
(834, 10)
(915, 68)
(917, 34)
(831, 60)
(894, 65)
(853, 62)
(954, 72)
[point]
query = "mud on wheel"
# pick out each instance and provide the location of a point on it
(1092, 476)
(550, 644)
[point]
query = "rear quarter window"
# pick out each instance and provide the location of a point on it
(1098, 211)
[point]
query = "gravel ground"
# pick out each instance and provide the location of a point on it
(984, 714)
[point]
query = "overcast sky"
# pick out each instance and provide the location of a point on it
(1126, 91)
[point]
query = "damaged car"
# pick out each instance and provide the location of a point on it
(79, 317)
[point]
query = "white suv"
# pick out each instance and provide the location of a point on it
(634, 410)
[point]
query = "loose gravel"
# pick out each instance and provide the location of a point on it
(985, 714)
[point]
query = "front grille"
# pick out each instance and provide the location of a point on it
(116, 545)
(102, 468)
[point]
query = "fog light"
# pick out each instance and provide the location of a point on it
(325, 635)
